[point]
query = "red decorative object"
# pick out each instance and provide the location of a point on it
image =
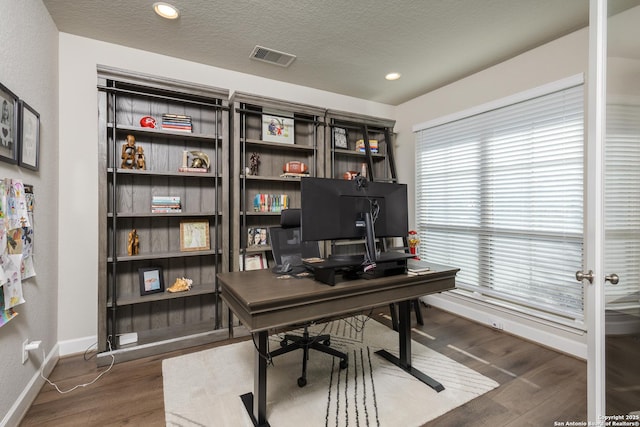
(148, 122)
(413, 243)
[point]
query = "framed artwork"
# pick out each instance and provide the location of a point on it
(194, 235)
(151, 280)
(277, 129)
(340, 138)
(257, 261)
(8, 125)
(29, 137)
(257, 237)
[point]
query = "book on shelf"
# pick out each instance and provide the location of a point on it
(293, 175)
(166, 204)
(417, 267)
(165, 199)
(166, 210)
(188, 169)
(373, 145)
(270, 202)
(177, 122)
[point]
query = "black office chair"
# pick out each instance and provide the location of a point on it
(288, 252)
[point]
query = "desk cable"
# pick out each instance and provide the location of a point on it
(113, 360)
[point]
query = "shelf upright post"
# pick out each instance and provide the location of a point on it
(114, 218)
(216, 206)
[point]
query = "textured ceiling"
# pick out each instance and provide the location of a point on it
(344, 47)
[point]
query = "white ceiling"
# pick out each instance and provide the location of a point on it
(344, 47)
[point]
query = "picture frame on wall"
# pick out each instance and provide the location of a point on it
(8, 125)
(277, 129)
(29, 137)
(151, 280)
(194, 235)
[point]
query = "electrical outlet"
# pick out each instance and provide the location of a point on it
(496, 324)
(25, 352)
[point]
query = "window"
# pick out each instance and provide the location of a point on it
(622, 206)
(499, 193)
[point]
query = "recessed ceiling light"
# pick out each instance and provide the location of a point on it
(392, 76)
(166, 10)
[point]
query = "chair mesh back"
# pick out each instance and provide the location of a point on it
(288, 248)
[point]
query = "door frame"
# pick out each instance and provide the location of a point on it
(594, 210)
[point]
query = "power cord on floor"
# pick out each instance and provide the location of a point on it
(113, 360)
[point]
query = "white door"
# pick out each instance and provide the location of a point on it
(612, 215)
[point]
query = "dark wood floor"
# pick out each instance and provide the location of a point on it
(537, 386)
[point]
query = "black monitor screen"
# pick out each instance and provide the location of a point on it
(334, 209)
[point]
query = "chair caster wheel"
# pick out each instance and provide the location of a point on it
(344, 363)
(327, 342)
(283, 343)
(302, 382)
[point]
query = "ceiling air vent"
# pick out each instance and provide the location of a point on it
(272, 56)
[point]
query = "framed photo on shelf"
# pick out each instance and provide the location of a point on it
(277, 129)
(194, 235)
(257, 237)
(340, 138)
(151, 280)
(257, 261)
(29, 137)
(8, 125)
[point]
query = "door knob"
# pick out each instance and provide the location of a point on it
(580, 276)
(613, 278)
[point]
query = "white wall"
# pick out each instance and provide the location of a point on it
(78, 123)
(29, 68)
(78, 245)
(559, 59)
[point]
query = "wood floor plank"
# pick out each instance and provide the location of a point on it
(537, 385)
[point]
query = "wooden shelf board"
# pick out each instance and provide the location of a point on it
(139, 172)
(271, 178)
(165, 214)
(278, 145)
(203, 289)
(165, 133)
(162, 255)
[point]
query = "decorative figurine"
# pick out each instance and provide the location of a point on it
(180, 285)
(413, 243)
(129, 153)
(133, 244)
(140, 162)
(200, 160)
(254, 163)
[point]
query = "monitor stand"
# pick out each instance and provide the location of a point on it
(350, 267)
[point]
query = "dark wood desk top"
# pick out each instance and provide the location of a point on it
(263, 301)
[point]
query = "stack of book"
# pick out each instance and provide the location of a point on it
(166, 204)
(415, 267)
(177, 122)
(270, 202)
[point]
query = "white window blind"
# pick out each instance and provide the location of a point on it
(499, 194)
(622, 207)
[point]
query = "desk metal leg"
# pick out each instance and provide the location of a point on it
(404, 362)
(256, 402)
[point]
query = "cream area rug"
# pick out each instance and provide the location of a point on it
(204, 388)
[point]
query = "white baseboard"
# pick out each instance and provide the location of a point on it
(78, 345)
(30, 392)
(559, 339)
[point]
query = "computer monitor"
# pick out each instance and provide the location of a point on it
(334, 209)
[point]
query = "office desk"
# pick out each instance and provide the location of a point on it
(262, 301)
